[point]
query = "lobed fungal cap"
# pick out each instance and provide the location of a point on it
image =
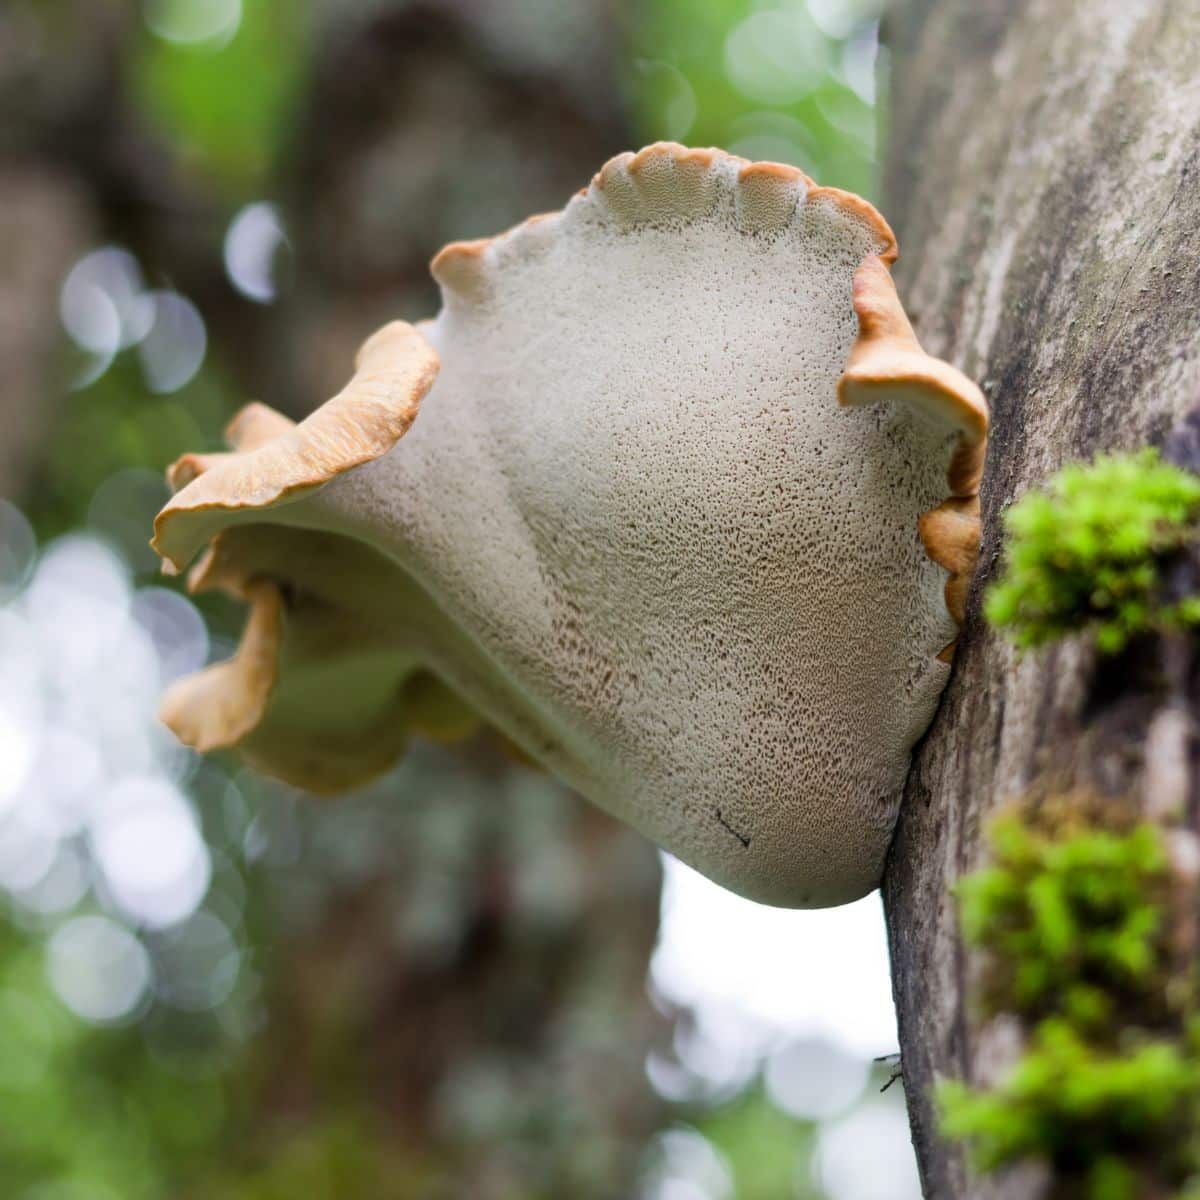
(633, 527)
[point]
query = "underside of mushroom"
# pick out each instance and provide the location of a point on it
(686, 513)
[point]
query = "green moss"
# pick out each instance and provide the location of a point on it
(1072, 925)
(1070, 917)
(1088, 551)
(1095, 1116)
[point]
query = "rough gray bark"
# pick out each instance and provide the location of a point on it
(1043, 183)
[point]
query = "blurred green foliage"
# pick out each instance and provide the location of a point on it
(87, 1107)
(116, 424)
(229, 109)
(764, 81)
(769, 1152)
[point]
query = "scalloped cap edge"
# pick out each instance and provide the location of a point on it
(887, 363)
(276, 462)
(217, 707)
(666, 178)
(225, 705)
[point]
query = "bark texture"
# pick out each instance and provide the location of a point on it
(1043, 181)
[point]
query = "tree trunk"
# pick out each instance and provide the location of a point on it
(1042, 181)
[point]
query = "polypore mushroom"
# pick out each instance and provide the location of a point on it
(633, 527)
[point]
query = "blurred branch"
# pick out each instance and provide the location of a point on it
(45, 224)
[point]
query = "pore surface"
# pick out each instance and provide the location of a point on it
(670, 566)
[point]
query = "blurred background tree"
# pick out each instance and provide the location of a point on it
(210, 985)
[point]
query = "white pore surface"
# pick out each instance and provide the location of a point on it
(672, 568)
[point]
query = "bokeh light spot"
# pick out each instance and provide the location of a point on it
(836, 18)
(674, 98)
(98, 968)
(776, 57)
(27, 851)
(815, 1079)
(78, 606)
(867, 1155)
(122, 509)
(190, 22)
(682, 1164)
(145, 840)
(196, 962)
(113, 274)
(60, 888)
(104, 308)
(67, 777)
(18, 548)
(860, 63)
(17, 753)
(772, 137)
(252, 248)
(173, 350)
(175, 627)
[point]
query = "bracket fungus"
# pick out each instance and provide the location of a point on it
(657, 522)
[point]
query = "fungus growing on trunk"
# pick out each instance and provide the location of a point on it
(633, 527)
